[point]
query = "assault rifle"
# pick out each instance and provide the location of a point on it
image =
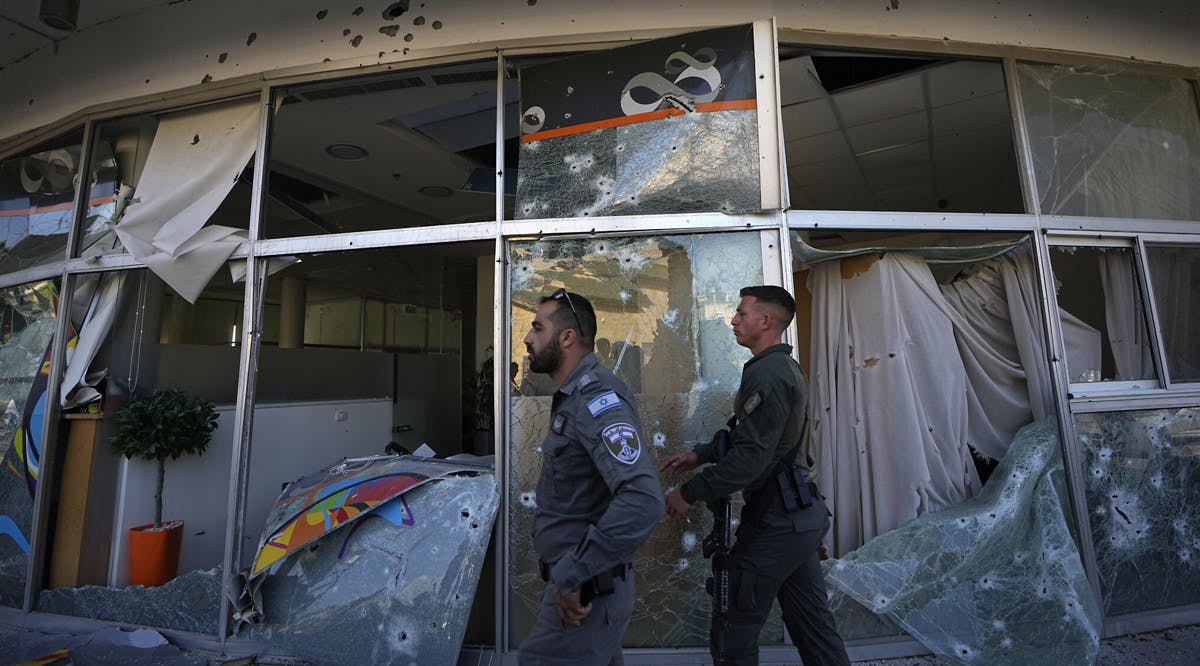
(716, 546)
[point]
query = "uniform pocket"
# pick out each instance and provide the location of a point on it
(743, 587)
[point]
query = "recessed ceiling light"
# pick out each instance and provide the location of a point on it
(436, 191)
(346, 151)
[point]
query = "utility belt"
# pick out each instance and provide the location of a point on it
(600, 585)
(787, 490)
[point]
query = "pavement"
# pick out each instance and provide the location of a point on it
(1179, 646)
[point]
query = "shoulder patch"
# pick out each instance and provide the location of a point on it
(603, 402)
(752, 403)
(622, 442)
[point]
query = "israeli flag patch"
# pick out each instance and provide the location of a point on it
(603, 402)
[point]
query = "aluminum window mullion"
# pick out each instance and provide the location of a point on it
(46, 464)
(34, 274)
(79, 211)
(870, 220)
(500, 341)
(1020, 127)
(47, 469)
(239, 470)
(1072, 460)
(364, 240)
(1142, 266)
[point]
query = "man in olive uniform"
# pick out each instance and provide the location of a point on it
(775, 554)
(598, 497)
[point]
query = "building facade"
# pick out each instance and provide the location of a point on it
(335, 222)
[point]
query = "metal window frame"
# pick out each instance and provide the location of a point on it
(51, 421)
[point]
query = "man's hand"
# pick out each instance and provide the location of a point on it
(676, 505)
(569, 608)
(679, 463)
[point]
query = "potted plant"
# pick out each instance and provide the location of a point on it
(154, 426)
(479, 398)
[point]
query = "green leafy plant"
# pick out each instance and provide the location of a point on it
(482, 390)
(162, 424)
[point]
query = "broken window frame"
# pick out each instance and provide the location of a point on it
(1082, 389)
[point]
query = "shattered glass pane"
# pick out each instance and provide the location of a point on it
(663, 306)
(1142, 473)
(1103, 314)
(27, 323)
(396, 587)
(995, 579)
(190, 602)
(1110, 142)
(1175, 275)
(37, 190)
(666, 126)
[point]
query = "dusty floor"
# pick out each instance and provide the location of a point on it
(1172, 647)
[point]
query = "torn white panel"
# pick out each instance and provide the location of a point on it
(237, 267)
(195, 160)
(77, 385)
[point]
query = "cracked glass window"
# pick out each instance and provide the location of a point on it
(27, 323)
(1175, 276)
(663, 306)
(1103, 315)
(1112, 142)
(666, 126)
(1142, 479)
(37, 191)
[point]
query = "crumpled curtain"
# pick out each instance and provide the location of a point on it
(196, 158)
(1175, 273)
(888, 405)
(1127, 335)
(907, 374)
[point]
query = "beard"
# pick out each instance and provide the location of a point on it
(546, 359)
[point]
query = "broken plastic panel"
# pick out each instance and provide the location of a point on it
(27, 324)
(1142, 478)
(1112, 142)
(995, 579)
(663, 306)
(395, 587)
(666, 126)
(1175, 276)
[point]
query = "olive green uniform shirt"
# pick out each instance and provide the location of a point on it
(770, 406)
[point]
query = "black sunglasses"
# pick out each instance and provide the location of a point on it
(562, 293)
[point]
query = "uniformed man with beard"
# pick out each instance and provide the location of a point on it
(598, 497)
(784, 519)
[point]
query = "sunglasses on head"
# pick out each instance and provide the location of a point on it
(562, 293)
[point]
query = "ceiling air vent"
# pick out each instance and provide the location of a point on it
(463, 77)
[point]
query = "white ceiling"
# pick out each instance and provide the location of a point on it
(934, 138)
(22, 31)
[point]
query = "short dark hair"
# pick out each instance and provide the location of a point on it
(773, 295)
(574, 311)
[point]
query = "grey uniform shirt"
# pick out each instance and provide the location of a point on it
(598, 497)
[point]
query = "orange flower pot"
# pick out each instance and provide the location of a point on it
(154, 554)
